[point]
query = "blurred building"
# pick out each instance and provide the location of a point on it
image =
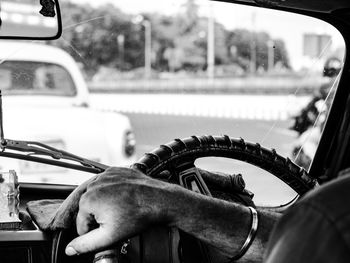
(315, 47)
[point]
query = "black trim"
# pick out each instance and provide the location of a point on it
(37, 191)
(329, 156)
(48, 187)
(57, 36)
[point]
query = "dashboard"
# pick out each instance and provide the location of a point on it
(28, 243)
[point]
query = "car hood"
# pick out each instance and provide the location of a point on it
(78, 130)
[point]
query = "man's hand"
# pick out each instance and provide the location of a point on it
(120, 203)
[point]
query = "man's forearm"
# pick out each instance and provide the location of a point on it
(222, 224)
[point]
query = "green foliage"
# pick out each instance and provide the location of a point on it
(242, 42)
(106, 36)
(91, 37)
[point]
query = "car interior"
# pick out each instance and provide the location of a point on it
(176, 161)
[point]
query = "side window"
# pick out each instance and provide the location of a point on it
(53, 79)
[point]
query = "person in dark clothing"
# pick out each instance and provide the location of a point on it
(316, 229)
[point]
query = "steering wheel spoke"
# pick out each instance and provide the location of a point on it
(192, 179)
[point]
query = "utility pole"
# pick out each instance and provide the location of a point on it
(270, 55)
(148, 43)
(253, 46)
(121, 47)
(148, 48)
(211, 44)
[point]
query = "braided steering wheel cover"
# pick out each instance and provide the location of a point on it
(179, 150)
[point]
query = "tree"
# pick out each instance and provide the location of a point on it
(90, 35)
(105, 36)
(186, 45)
(240, 41)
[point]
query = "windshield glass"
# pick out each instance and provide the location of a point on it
(137, 74)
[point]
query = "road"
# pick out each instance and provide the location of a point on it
(247, 107)
(155, 127)
(152, 130)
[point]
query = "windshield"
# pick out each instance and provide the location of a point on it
(139, 74)
(35, 78)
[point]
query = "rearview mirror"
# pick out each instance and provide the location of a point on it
(30, 19)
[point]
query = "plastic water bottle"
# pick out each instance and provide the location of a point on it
(9, 201)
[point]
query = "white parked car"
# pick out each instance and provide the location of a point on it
(46, 99)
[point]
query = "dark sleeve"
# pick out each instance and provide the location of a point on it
(306, 234)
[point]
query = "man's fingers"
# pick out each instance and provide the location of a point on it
(96, 239)
(85, 222)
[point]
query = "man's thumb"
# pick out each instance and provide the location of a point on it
(97, 239)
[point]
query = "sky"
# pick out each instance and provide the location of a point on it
(287, 26)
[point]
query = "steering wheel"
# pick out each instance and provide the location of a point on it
(180, 155)
(174, 162)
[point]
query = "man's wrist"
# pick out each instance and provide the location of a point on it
(177, 203)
